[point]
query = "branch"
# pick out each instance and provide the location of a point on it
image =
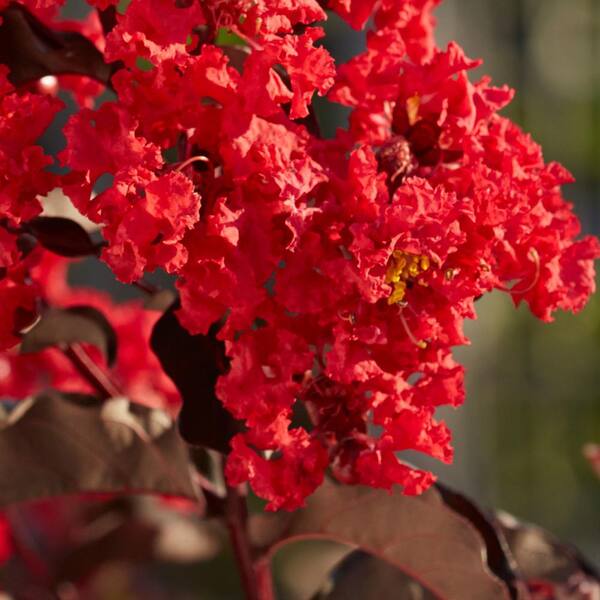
(91, 372)
(236, 518)
(31, 50)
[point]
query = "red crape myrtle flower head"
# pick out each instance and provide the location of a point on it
(342, 270)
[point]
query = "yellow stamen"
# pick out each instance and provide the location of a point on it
(422, 344)
(404, 267)
(450, 274)
(398, 293)
(535, 258)
(412, 108)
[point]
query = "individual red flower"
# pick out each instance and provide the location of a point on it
(104, 141)
(173, 98)
(307, 69)
(412, 19)
(146, 211)
(152, 29)
(23, 119)
(263, 17)
(146, 218)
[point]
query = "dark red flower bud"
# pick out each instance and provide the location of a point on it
(397, 160)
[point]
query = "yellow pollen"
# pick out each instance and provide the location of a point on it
(450, 274)
(412, 108)
(404, 267)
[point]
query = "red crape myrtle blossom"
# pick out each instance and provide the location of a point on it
(340, 271)
(23, 119)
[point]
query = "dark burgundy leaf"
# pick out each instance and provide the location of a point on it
(62, 236)
(134, 529)
(131, 541)
(420, 535)
(194, 363)
(26, 243)
(541, 557)
(51, 446)
(361, 576)
(31, 50)
(108, 19)
(76, 324)
(499, 557)
(532, 562)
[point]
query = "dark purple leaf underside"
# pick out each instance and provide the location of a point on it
(194, 363)
(55, 445)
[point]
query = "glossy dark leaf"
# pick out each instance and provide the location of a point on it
(62, 236)
(194, 363)
(32, 50)
(76, 324)
(52, 446)
(421, 536)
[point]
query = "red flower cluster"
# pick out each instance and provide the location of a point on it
(343, 268)
(23, 119)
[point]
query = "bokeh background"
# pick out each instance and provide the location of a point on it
(533, 390)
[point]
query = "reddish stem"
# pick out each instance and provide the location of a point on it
(264, 579)
(91, 372)
(255, 577)
(235, 518)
